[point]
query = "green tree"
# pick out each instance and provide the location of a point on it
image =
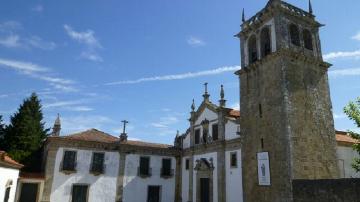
(352, 110)
(26, 133)
(2, 134)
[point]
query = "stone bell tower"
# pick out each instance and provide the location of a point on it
(286, 120)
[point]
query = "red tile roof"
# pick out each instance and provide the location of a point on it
(27, 175)
(7, 161)
(344, 138)
(234, 113)
(95, 135)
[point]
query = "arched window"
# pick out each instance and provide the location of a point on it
(265, 40)
(253, 56)
(308, 42)
(294, 35)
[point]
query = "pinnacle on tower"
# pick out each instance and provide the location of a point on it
(123, 135)
(57, 126)
(193, 106)
(206, 94)
(243, 15)
(310, 7)
(222, 101)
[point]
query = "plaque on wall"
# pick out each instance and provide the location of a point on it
(263, 169)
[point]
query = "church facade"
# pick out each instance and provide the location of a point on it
(285, 132)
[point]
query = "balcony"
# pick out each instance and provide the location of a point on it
(68, 168)
(166, 173)
(97, 169)
(144, 173)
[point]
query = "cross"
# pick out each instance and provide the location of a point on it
(205, 84)
(124, 122)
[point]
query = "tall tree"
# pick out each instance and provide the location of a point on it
(2, 134)
(352, 110)
(26, 132)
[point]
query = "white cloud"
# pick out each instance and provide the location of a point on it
(89, 40)
(216, 71)
(346, 54)
(38, 72)
(38, 8)
(73, 105)
(37, 42)
(356, 36)
(345, 72)
(72, 124)
(339, 116)
(235, 106)
(10, 41)
(10, 26)
(195, 42)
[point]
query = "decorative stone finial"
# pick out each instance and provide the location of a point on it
(222, 101)
(57, 126)
(310, 7)
(123, 135)
(206, 94)
(243, 15)
(193, 106)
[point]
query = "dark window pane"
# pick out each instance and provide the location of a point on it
(69, 160)
(265, 42)
(252, 48)
(233, 160)
(187, 164)
(166, 167)
(294, 35)
(144, 165)
(215, 134)
(197, 136)
(79, 193)
(153, 194)
(97, 163)
(28, 192)
(308, 43)
(7, 194)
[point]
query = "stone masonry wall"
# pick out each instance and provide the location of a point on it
(340, 190)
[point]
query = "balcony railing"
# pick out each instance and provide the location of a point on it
(97, 169)
(143, 173)
(68, 169)
(167, 173)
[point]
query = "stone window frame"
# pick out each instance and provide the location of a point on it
(217, 131)
(204, 173)
(199, 137)
(263, 52)
(187, 163)
(7, 190)
(162, 167)
(294, 29)
(80, 184)
(231, 159)
(308, 41)
(67, 172)
(92, 161)
(252, 39)
(149, 167)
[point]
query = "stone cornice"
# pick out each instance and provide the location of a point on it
(298, 56)
(213, 147)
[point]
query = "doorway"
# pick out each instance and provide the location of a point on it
(153, 194)
(29, 192)
(204, 190)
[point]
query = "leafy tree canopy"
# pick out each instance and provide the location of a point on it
(352, 110)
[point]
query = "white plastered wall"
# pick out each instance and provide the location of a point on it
(5, 175)
(135, 187)
(231, 129)
(102, 188)
(185, 180)
(345, 157)
(234, 191)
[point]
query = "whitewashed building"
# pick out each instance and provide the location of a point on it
(9, 174)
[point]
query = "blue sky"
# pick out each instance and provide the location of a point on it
(99, 62)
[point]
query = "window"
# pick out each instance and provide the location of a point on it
(7, 194)
(215, 134)
(166, 170)
(79, 193)
(187, 164)
(29, 192)
(97, 165)
(308, 42)
(233, 159)
(144, 168)
(69, 161)
(294, 35)
(197, 136)
(265, 42)
(253, 56)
